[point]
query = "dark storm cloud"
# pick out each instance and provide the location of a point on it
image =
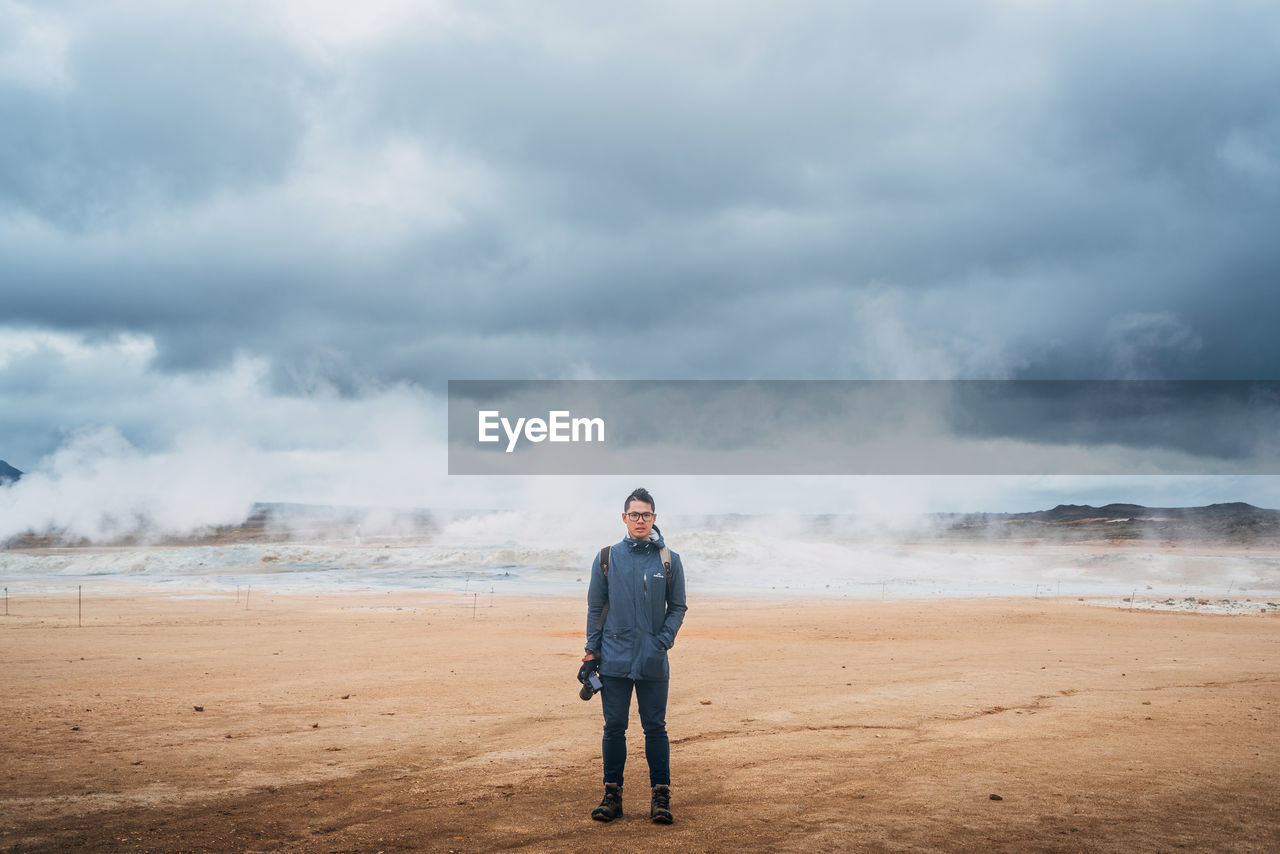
(819, 190)
(167, 106)
(1063, 187)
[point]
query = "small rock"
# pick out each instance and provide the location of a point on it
(315, 726)
(996, 798)
(75, 729)
(346, 696)
(705, 702)
(198, 708)
(228, 735)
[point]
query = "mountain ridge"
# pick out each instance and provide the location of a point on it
(9, 474)
(1228, 522)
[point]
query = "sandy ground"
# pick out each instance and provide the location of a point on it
(395, 722)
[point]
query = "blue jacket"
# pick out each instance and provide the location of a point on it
(642, 619)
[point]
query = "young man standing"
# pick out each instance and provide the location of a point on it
(634, 608)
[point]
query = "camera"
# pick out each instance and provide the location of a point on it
(590, 687)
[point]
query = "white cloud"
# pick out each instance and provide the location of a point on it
(33, 47)
(330, 28)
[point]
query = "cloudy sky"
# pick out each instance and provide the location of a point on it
(244, 245)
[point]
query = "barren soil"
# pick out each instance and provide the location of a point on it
(398, 722)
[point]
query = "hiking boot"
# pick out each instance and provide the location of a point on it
(611, 806)
(660, 805)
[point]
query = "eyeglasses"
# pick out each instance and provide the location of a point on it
(636, 517)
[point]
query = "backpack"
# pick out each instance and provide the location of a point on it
(664, 553)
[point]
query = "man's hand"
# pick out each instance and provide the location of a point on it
(590, 664)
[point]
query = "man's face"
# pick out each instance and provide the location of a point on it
(638, 529)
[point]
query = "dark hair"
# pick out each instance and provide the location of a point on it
(639, 494)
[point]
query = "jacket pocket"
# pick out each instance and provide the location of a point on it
(615, 652)
(653, 661)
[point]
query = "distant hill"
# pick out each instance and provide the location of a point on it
(8, 474)
(1232, 522)
(1113, 512)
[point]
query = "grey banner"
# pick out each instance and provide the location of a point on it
(969, 427)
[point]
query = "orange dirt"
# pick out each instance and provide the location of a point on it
(399, 722)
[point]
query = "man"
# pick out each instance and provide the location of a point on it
(633, 613)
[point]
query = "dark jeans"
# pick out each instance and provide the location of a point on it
(651, 702)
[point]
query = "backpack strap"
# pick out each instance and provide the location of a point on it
(666, 567)
(604, 569)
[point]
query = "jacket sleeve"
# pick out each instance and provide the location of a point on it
(675, 604)
(597, 598)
